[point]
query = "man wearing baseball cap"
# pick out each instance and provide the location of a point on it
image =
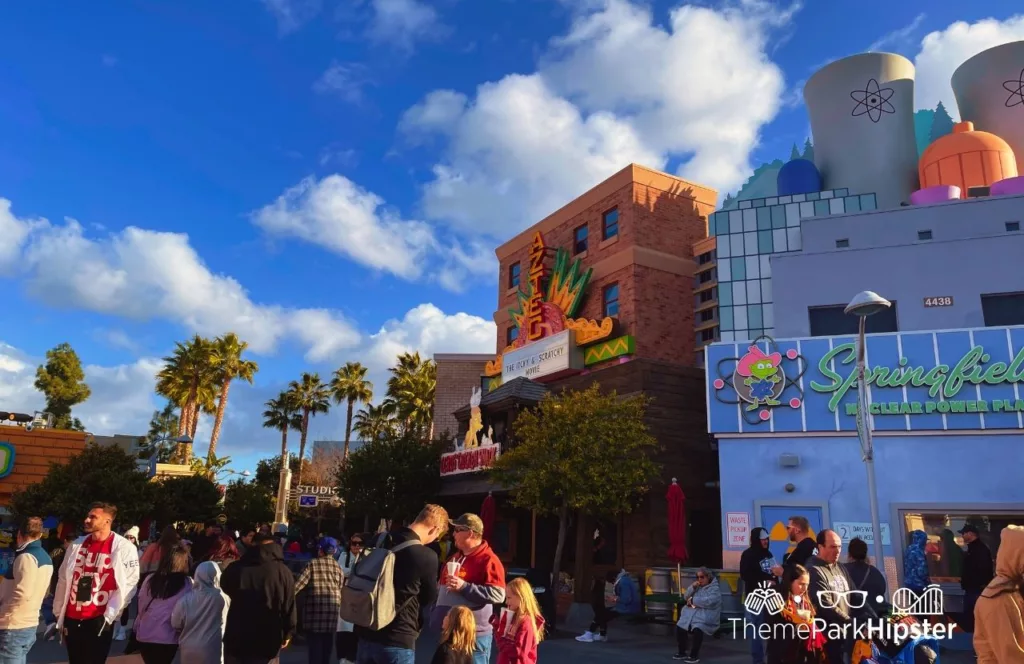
(977, 572)
(472, 577)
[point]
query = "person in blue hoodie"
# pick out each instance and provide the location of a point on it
(915, 563)
(624, 602)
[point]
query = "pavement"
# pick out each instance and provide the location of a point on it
(627, 643)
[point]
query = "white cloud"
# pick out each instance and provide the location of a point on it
(617, 88)
(429, 330)
(402, 23)
(14, 232)
(899, 38)
(943, 51)
(343, 80)
(147, 275)
(292, 14)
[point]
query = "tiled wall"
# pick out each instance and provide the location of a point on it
(748, 236)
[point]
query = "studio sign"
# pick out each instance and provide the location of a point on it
(314, 490)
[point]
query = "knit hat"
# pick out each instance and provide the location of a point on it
(328, 545)
(132, 532)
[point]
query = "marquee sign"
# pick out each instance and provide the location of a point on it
(949, 380)
(546, 309)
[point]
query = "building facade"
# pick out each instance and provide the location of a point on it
(457, 375)
(596, 292)
(944, 266)
(947, 409)
(26, 455)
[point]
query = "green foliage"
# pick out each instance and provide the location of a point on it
(808, 150)
(106, 474)
(583, 450)
(163, 429)
(268, 472)
(211, 466)
(191, 499)
(248, 503)
(392, 476)
(794, 153)
(62, 381)
(410, 393)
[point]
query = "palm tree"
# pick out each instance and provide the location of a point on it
(211, 467)
(373, 422)
(227, 359)
(282, 415)
(411, 391)
(350, 384)
(310, 396)
(188, 379)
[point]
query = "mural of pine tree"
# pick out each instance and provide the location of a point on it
(808, 150)
(942, 124)
(794, 154)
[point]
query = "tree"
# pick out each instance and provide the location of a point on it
(580, 450)
(392, 476)
(248, 504)
(942, 124)
(794, 153)
(107, 474)
(268, 472)
(281, 415)
(350, 385)
(210, 467)
(229, 365)
(410, 392)
(62, 381)
(188, 499)
(189, 380)
(373, 422)
(311, 397)
(163, 428)
(808, 150)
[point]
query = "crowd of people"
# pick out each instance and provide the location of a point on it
(218, 597)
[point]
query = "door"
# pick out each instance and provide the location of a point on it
(775, 518)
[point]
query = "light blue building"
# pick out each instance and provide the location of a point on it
(947, 409)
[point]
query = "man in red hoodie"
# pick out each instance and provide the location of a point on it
(472, 577)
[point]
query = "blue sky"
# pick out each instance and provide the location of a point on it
(329, 178)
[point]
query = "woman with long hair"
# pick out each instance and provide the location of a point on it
(794, 638)
(150, 561)
(520, 628)
(200, 616)
(458, 637)
(999, 613)
(224, 552)
(160, 593)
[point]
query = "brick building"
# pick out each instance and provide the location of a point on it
(27, 455)
(457, 375)
(601, 290)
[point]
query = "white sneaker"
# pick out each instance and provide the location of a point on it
(120, 633)
(586, 637)
(599, 637)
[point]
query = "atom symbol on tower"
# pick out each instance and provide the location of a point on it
(872, 101)
(1016, 97)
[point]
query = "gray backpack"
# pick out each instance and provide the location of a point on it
(368, 599)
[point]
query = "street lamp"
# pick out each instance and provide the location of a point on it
(865, 304)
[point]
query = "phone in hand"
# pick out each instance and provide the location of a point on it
(83, 590)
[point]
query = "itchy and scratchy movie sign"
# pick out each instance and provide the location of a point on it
(955, 379)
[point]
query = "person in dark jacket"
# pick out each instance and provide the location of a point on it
(799, 530)
(757, 567)
(829, 590)
(978, 571)
(415, 578)
(262, 618)
(865, 576)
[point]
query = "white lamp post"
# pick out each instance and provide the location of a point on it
(865, 304)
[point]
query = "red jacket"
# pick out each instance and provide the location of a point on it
(519, 647)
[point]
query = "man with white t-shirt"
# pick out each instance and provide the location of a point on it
(97, 581)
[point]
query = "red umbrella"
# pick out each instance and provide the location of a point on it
(487, 515)
(676, 522)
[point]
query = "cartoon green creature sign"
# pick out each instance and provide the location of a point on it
(759, 379)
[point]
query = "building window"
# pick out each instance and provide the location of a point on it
(513, 275)
(707, 296)
(832, 322)
(579, 240)
(706, 258)
(706, 276)
(611, 300)
(944, 541)
(511, 334)
(610, 223)
(707, 315)
(708, 334)
(1003, 309)
(843, 244)
(924, 235)
(1012, 226)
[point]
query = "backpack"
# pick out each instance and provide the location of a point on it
(369, 597)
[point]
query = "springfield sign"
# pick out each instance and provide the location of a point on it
(957, 379)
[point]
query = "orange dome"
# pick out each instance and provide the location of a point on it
(966, 158)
